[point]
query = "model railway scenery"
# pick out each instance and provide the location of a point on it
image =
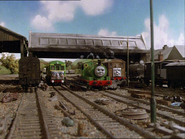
(72, 81)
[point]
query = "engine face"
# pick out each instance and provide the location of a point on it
(116, 72)
(57, 75)
(99, 71)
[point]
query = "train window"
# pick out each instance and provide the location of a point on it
(57, 67)
(52, 68)
(62, 67)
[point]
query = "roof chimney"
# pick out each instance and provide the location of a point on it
(160, 57)
(165, 46)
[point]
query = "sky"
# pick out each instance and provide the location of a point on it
(98, 17)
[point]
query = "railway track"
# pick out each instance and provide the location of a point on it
(7, 84)
(175, 120)
(177, 116)
(110, 124)
(146, 105)
(8, 93)
(7, 109)
(74, 84)
(31, 120)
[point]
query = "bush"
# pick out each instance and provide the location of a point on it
(10, 63)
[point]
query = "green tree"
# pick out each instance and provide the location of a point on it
(43, 64)
(79, 65)
(10, 63)
(68, 63)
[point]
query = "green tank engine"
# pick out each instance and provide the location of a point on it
(94, 74)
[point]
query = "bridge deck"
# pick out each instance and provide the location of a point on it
(75, 45)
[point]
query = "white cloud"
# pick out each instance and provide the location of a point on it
(163, 23)
(64, 11)
(2, 24)
(181, 40)
(161, 32)
(96, 7)
(42, 23)
(60, 11)
(105, 32)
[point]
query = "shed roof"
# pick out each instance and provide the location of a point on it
(176, 64)
(169, 53)
(9, 35)
(10, 41)
(165, 51)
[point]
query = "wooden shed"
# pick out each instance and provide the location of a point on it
(12, 42)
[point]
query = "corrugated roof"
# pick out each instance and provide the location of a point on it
(174, 64)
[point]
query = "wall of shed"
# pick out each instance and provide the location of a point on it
(174, 55)
(4, 36)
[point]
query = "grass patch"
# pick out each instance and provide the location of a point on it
(4, 70)
(80, 60)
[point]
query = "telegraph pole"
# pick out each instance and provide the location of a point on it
(127, 62)
(152, 101)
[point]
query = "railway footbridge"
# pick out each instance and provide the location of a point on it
(57, 45)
